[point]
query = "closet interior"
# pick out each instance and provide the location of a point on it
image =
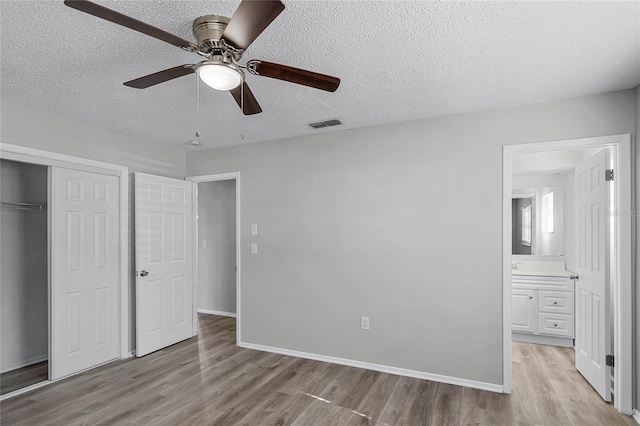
(24, 275)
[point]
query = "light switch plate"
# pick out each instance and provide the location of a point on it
(254, 229)
(254, 248)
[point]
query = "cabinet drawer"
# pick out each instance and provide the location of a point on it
(557, 302)
(555, 324)
(542, 283)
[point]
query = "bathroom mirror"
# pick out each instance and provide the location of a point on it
(523, 224)
(537, 221)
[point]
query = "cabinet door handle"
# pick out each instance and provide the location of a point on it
(555, 325)
(555, 303)
(530, 297)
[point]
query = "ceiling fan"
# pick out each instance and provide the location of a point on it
(222, 42)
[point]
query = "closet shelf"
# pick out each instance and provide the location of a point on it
(24, 206)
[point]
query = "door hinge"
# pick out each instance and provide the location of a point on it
(609, 361)
(608, 175)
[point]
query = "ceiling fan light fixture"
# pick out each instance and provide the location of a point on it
(220, 75)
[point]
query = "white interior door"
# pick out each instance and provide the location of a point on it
(85, 265)
(592, 287)
(164, 247)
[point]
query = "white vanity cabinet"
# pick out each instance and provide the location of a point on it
(542, 310)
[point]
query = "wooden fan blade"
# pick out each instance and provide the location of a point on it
(250, 103)
(160, 77)
(250, 20)
(296, 75)
(127, 21)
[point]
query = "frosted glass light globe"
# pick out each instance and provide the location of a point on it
(220, 76)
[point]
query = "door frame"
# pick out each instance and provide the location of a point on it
(53, 159)
(622, 264)
(216, 178)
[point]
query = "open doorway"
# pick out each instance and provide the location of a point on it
(217, 248)
(217, 260)
(24, 285)
(566, 311)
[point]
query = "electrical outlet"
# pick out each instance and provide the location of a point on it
(364, 323)
(204, 243)
(254, 229)
(254, 248)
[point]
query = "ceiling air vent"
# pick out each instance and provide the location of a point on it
(328, 123)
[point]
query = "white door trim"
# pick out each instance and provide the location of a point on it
(623, 265)
(215, 178)
(47, 158)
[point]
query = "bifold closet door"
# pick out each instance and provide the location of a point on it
(85, 238)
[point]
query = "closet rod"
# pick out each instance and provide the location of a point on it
(25, 206)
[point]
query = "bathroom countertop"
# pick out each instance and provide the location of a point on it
(541, 269)
(542, 273)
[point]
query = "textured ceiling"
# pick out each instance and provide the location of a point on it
(397, 60)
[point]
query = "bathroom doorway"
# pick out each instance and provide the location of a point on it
(548, 310)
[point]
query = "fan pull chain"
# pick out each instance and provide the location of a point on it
(242, 111)
(197, 107)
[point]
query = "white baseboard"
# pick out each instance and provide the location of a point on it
(378, 367)
(636, 415)
(23, 363)
(220, 313)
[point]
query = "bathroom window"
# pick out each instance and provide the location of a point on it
(547, 213)
(526, 225)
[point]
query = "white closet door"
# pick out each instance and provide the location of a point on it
(84, 270)
(592, 288)
(164, 246)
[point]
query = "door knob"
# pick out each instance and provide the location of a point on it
(143, 273)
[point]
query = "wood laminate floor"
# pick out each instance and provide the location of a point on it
(23, 377)
(211, 381)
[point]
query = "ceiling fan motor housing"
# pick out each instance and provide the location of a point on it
(208, 31)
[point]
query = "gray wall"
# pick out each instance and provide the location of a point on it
(401, 223)
(217, 261)
(24, 332)
(21, 126)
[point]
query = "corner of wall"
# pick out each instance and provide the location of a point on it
(634, 204)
